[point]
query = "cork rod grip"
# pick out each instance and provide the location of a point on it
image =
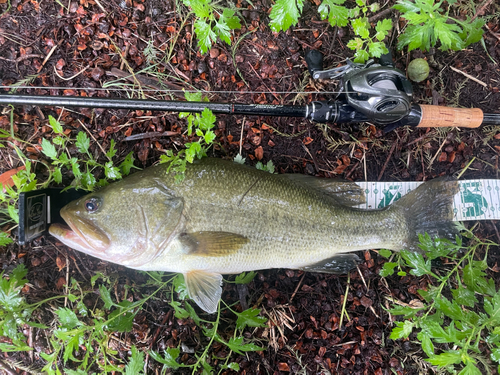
(434, 116)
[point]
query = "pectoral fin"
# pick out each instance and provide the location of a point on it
(213, 244)
(204, 288)
(338, 264)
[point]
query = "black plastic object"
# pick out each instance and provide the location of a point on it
(40, 208)
(386, 59)
(314, 60)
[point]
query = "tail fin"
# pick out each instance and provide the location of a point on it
(429, 209)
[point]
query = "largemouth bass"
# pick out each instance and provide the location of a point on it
(227, 218)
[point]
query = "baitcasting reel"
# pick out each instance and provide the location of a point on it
(379, 91)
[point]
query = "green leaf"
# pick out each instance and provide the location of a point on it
(416, 261)
(495, 354)
(474, 278)
(49, 149)
(196, 96)
(382, 28)
(57, 175)
(464, 296)
(377, 49)
(205, 35)
(119, 320)
(355, 44)
(361, 26)
(284, 14)
(202, 8)
(67, 318)
(180, 313)
(60, 141)
(209, 137)
(450, 309)
(112, 151)
(239, 159)
(207, 120)
(13, 213)
(88, 180)
(451, 357)
(237, 346)
(388, 269)
(9, 348)
(106, 297)
(55, 125)
(136, 363)
(470, 369)
(232, 366)
(250, 318)
(385, 253)
(180, 287)
(492, 308)
(112, 172)
(192, 313)
(361, 56)
(402, 330)
(337, 15)
(245, 277)
(427, 345)
(227, 22)
(5, 239)
(447, 33)
(169, 357)
(472, 32)
(71, 345)
(127, 164)
(82, 142)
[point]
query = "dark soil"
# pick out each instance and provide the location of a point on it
(86, 43)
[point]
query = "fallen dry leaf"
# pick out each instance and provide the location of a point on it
(259, 153)
(61, 263)
(6, 177)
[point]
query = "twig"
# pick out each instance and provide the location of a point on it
(21, 58)
(491, 32)
(469, 76)
(136, 137)
(436, 154)
(481, 9)
(73, 76)
(241, 135)
(387, 161)
(344, 302)
(379, 15)
(352, 170)
(95, 140)
(297, 288)
(312, 157)
(49, 54)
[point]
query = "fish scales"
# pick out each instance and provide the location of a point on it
(227, 218)
(288, 223)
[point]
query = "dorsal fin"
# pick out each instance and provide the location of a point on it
(344, 192)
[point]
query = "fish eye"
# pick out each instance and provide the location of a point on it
(92, 205)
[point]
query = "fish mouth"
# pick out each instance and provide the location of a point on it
(80, 234)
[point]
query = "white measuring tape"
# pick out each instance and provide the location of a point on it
(476, 200)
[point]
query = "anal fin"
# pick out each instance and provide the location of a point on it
(204, 288)
(338, 264)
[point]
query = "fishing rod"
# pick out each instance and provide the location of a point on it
(375, 93)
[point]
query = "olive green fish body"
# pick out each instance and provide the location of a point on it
(227, 218)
